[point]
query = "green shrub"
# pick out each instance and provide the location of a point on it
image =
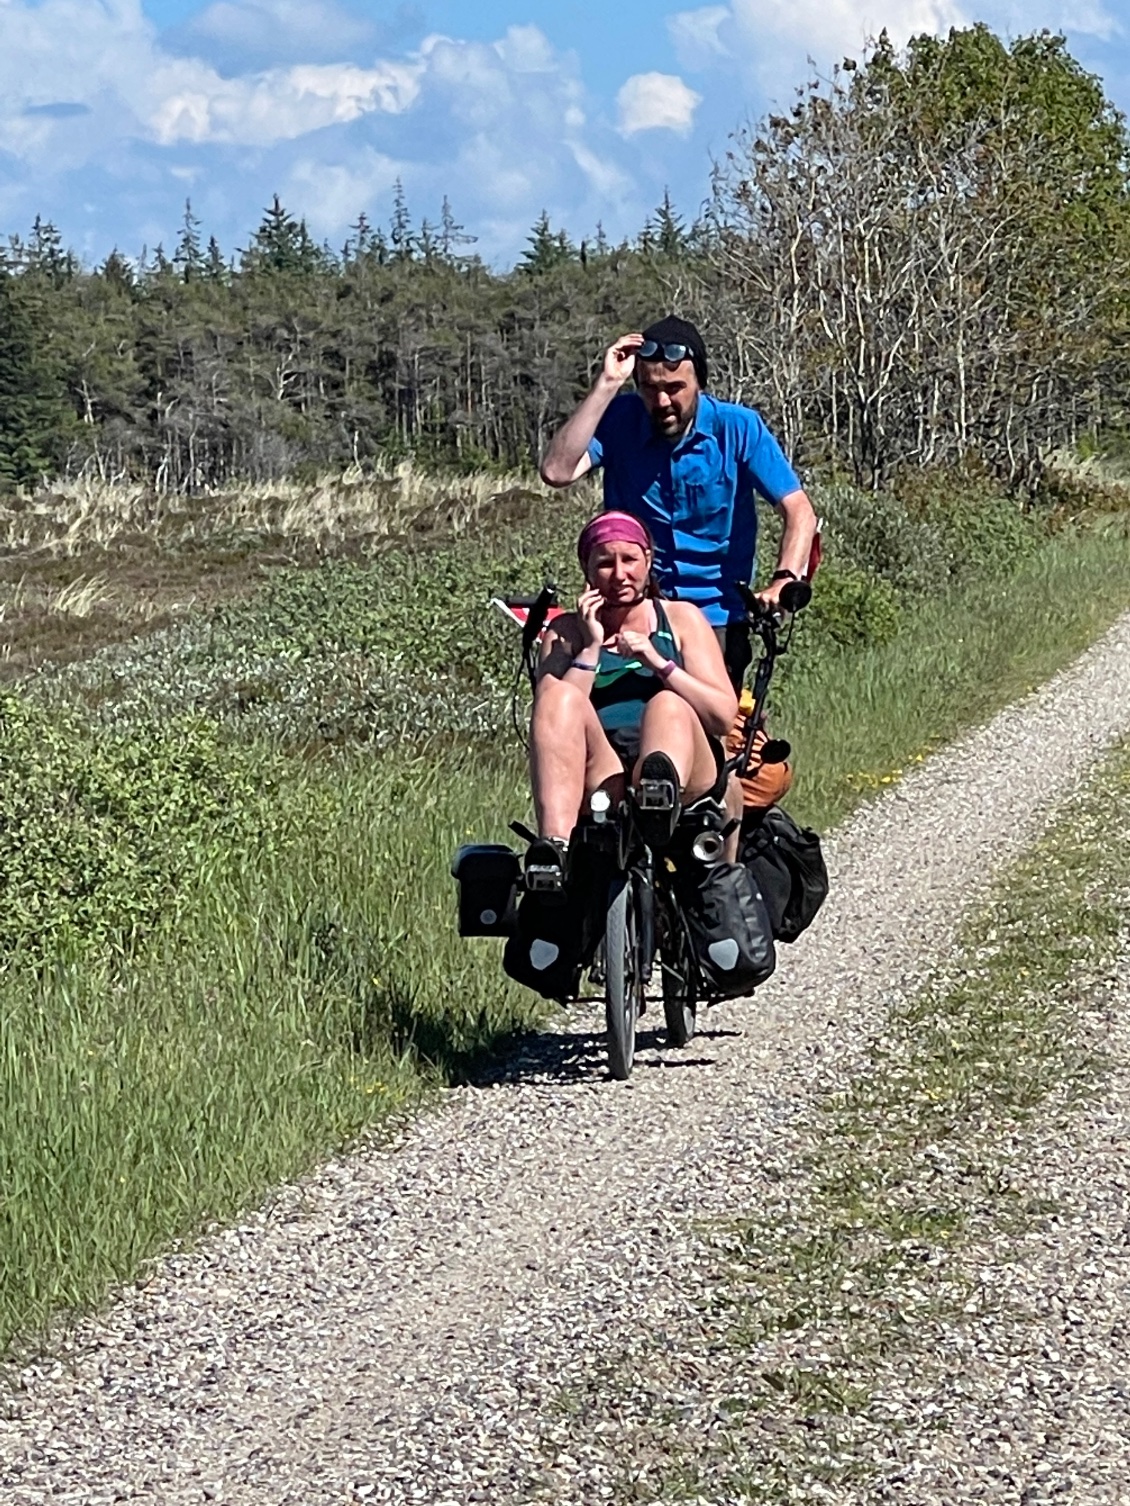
(982, 531)
(938, 531)
(98, 830)
(851, 607)
(873, 532)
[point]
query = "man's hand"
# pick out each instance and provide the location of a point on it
(770, 597)
(620, 359)
(567, 458)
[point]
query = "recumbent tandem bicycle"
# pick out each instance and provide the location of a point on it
(621, 910)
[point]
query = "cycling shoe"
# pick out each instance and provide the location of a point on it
(546, 861)
(656, 800)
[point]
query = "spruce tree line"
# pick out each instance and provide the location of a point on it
(924, 261)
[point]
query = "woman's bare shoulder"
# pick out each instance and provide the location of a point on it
(684, 614)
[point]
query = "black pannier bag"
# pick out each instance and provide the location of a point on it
(729, 929)
(788, 867)
(488, 875)
(556, 935)
(544, 950)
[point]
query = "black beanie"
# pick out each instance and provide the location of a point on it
(675, 331)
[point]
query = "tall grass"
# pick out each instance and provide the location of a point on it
(308, 991)
(860, 718)
(71, 517)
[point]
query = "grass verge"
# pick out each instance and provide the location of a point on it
(310, 985)
(860, 717)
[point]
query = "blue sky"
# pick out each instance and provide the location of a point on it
(113, 112)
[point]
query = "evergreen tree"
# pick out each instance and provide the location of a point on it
(668, 232)
(282, 244)
(401, 238)
(188, 257)
(32, 412)
(117, 271)
(215, 267)
(547, 248)
(452, 235)
(46, 255)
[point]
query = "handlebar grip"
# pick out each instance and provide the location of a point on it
(546, 598)
(795, 595)
(749, 600)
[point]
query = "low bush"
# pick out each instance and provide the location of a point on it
(851, 607)
(99, 832)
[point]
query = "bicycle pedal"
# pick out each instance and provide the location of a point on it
(656, 795)
(545, 878)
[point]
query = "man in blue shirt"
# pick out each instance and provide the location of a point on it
(691, 467)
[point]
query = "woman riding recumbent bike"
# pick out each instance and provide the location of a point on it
(638, 817)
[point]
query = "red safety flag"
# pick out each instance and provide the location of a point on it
(518, 611)
(816, 553)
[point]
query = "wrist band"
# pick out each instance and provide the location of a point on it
(784, 575)
(592, 668)
(665, 671)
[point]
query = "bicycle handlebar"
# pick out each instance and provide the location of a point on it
(539, 607)
(794, 597)
(767, 623)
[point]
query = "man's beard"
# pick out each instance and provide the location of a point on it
(676, 433)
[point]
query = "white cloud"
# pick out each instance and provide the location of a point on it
(656, 101)
(311, 27)
(772, 39)
(194, 103)
(527, 49)
(697, 35)
(331, 194)
(605, 177)
(763, 34)
(122, 122)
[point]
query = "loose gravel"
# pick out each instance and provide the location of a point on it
(424, 1321)
(1033, 1381)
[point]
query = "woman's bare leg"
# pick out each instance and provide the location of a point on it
(569, 755)
(670, 726)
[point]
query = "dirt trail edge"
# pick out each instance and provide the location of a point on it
(402, 1326)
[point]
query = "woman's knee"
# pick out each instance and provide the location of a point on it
(557, 703)
(666, 709)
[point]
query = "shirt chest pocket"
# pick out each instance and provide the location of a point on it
(703, 506)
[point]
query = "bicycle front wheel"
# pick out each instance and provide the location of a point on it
(676, 961)
(623, 980)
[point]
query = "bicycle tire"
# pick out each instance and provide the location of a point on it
(676, 962)
(622, 982)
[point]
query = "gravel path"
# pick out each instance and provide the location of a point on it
(413, 1323)
(1035, 1376)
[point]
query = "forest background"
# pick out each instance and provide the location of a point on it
(922, 263)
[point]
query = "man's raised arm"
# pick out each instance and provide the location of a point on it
(567, 458)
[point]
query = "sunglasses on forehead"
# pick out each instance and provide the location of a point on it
(651, 350)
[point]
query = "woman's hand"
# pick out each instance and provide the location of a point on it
(589, 604)
(633, 645)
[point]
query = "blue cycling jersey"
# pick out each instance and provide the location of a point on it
(698, 496)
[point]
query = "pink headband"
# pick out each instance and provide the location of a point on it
(609, 527)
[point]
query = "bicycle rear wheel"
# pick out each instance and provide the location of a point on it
(676, 962)
(623, 980)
